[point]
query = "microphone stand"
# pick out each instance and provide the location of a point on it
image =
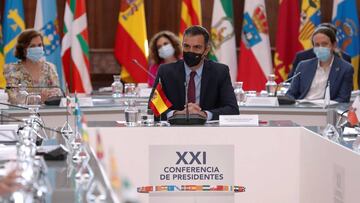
(143, 68)
(186, 102)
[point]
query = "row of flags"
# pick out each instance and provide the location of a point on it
(294, 30)
(252, 66)
(71, 55)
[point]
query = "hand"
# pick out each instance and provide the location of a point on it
(193, 108)
(47, 93)
(8, 183)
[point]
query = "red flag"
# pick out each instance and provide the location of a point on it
(131, 41)
(255, 56)
(287, 38)
(352, 118)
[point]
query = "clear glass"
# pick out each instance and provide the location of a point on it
(271, 85)
(131, 113)
(130, 90)
(33, 102)
(331, 133)
(96, 192)
(284, 87)
(81, 155)
(147, 117)
(239, 93)
(117, 87)
(21, 95)
(84, 175)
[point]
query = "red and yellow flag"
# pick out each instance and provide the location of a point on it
(131, 41)
(159, 102)
(190, 14)
(287, 35)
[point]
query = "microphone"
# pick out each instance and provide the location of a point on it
(143, 68)
(283, 99)
(186, 101)
(294, 76)
(187, 119)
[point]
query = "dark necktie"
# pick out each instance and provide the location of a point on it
(191, 88)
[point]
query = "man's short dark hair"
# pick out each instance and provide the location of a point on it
(326, 31)
(328, 25)
(197, 30)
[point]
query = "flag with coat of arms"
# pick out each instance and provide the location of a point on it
(13, 24)
(346, 20)
(47, 23)
(255, 56)
(223, 45)
(309, 18)
(159, 103)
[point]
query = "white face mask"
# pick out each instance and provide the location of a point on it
(166, 51)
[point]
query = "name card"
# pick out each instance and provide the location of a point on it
(83, 101)
(262, 101)
(239, 120)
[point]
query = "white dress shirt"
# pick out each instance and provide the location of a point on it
(318, 85)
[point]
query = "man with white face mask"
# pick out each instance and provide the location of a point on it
(326, 69)
(164, 48)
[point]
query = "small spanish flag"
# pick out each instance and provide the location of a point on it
(159, 102)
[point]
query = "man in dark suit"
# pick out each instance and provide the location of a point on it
(205, 84)
(309, 53)
(326, 68)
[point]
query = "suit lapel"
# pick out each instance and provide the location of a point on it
(181, 80)
(204, 81)
(308, 80)
(334, 72)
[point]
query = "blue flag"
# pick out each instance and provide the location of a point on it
(13, 25)
(346, 20)
(46, 22)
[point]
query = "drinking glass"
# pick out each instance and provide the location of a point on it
(271, 85)
(131, 114)
(239, 93)
(21, 95)
(130, 90)
(147, 117)
(33, 102)
(117, 88)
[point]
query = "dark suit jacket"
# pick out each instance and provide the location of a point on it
(217, 94)
(309, 54)
(340, 77)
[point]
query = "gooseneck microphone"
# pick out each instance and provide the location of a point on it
(289, 79)
(186, 101)
(187, 119)
(285, 100)
(294, 76)
(143, 68)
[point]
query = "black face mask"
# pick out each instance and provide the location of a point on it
(192, 59)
